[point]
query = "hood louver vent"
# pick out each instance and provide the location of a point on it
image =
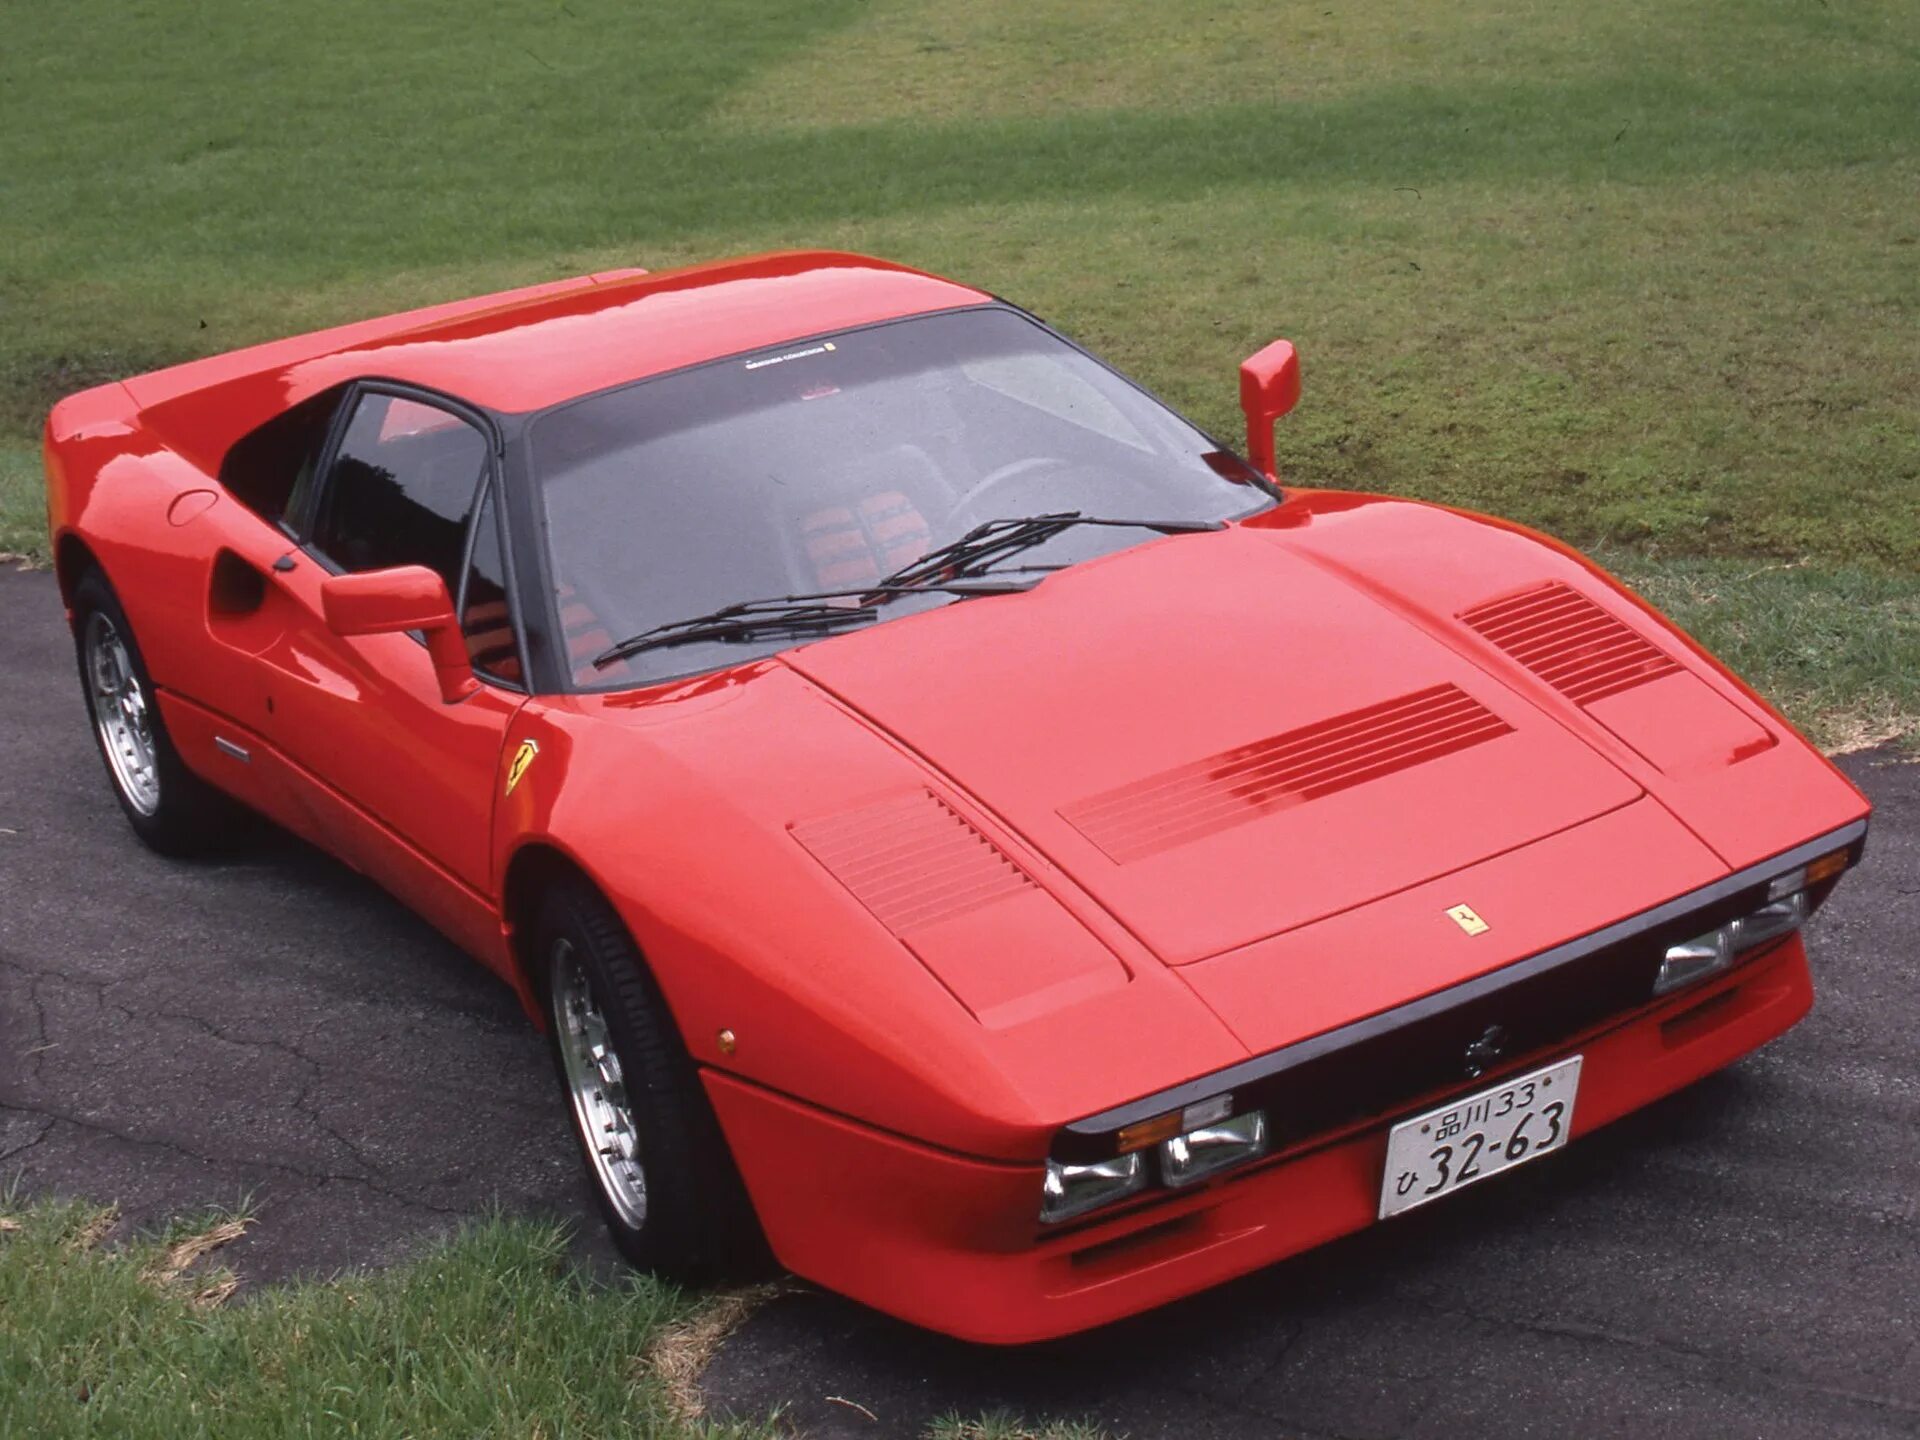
(1240, 785)
(914, 862)
(1570, 642)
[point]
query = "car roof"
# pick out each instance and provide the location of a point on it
(531, 353)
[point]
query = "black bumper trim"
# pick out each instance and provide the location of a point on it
(1363, 1067)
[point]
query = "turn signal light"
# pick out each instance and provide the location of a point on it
(1142, 1133)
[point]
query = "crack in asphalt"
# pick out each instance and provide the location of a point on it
(45, 1130)
(43, 1038)
(185, 1151)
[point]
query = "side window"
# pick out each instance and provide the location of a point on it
(485, 618)
(400, 488)
(270, 470)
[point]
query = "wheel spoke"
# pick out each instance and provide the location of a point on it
(121, 715)
(596, 1086)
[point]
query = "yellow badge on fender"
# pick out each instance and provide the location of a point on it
(522, 758)
(1461, 915)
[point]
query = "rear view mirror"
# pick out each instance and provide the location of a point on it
(1269, 388)
(406, 597)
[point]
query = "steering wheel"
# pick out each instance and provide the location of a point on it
(1012, 470)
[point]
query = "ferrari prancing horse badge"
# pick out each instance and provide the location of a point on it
(522, 758)
(1461, 915)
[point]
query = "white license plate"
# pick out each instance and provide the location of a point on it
(1467, 1140)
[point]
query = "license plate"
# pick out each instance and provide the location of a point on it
(1467, 1140)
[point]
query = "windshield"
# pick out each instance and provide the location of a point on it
(827, 464)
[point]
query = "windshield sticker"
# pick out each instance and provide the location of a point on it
(810, 351)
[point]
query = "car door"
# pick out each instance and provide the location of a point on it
(402, 782)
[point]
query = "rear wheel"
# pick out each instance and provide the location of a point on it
(169, 807)
(660, 1168)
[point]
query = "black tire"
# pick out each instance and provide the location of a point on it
(186, 816)
(698, 1226)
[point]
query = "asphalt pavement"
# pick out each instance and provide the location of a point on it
(1741, 1259)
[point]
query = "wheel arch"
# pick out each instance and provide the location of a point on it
(535, 866)
(72, 558)
(734, 1243)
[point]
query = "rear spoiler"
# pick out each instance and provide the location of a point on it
(156, 387)
(198, 409)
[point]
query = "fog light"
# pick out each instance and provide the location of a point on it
(1197, 1154)
(1071, 1190)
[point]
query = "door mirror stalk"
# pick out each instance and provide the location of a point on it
(406, 597)
(1269, 388)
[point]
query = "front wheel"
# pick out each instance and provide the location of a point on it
(660, 1168)
(169, 807)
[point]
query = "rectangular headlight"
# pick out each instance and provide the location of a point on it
(1194, 1156)
(1771, 920)
(1071, 1190)
(1704, 955)
(1693, 960)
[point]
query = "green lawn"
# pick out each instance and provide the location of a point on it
(487, 1336)
(1645, 275)
(490, 1334)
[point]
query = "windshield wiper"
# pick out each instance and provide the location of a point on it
(977, 551)
(956, 568)
(799, 613)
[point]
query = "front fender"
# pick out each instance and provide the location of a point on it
(680, 805)
(1722, 759)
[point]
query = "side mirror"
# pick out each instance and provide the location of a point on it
(407, 597)
(1269, 388)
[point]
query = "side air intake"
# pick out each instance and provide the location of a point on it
(914, 861)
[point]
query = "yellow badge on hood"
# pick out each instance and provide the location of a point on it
(522, 758)
(1461, 915)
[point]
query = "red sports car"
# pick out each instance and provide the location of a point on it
(966, 830)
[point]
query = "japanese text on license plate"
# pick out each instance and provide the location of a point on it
(1479, 1135)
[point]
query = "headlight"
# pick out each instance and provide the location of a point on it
(1193, 1143)
(1194, 1156)
(1071, 1190)
(1693, 960)
(1704, 955)
(1770, 921)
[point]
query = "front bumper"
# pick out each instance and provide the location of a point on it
(953, 1243)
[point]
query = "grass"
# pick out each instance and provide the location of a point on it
(998, 1425)
(1646, 277)
(1837, 647)
(490, 1334)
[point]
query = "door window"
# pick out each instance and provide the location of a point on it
(408, 485)
(485, 618)
(401, 488)
(270, 469)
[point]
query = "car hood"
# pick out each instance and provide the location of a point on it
(1013, 860)
(1219, 739)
